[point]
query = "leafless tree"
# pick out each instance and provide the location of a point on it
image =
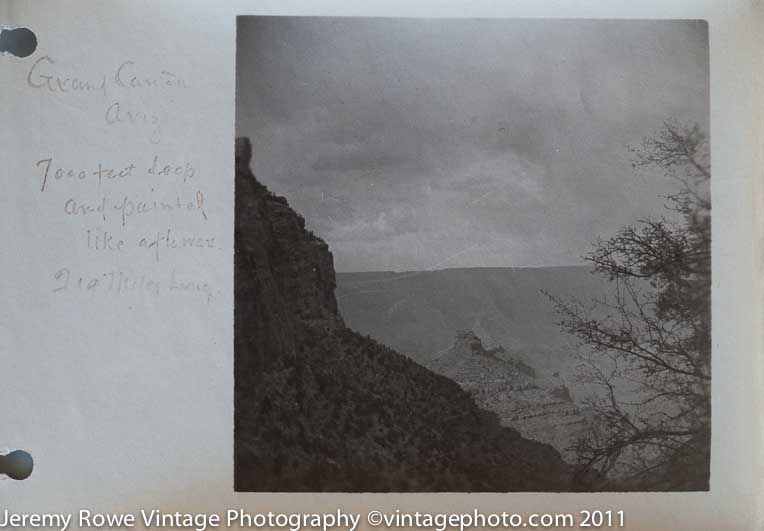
(648, 348)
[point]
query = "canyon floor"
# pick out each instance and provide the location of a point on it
(491, 330)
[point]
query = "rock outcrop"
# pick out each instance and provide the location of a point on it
(477, 369)
(539, 408)
(319, 407)
(417, 312)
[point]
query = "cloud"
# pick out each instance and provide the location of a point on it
(406, 141)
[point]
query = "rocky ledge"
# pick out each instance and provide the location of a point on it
(319, 407)
(540, 408)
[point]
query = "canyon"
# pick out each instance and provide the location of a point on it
(321, 407)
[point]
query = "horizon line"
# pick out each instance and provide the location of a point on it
(560, 266)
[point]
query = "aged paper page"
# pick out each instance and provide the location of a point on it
(117, 333)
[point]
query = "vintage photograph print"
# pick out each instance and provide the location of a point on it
(472, 255)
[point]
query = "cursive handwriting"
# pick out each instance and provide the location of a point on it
(79, 174)
(160, 167)
(128, 206)
(41, 77)
(46, 75)
(117, 282)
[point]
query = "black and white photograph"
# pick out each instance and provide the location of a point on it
(472, 255)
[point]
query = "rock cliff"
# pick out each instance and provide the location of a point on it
(319, 407)
(540, 408)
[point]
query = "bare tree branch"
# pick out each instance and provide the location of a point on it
(655, 331)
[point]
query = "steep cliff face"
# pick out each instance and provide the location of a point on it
(321, 408)
(539, 407)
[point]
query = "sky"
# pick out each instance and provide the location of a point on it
(422, 144)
